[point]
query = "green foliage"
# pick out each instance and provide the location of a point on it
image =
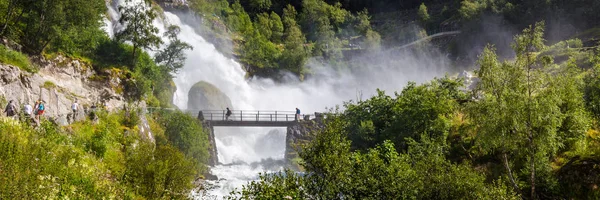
(423, 14)
(334, 171)
(276, 27)
(161, 173)
(295, 55)
(139, 30)
(186, 134)
(267, 43)
(274, 186)
(592, 89)
(173, 58)
(89, 160)
(15, 58)
(37, 24)
(260, 4)
(423, 109)
(525, 111)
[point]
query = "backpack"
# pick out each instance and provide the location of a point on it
(10, 110)
(41, 106)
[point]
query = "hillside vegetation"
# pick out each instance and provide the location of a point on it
(102, 159)
(274, 36)
(527, 130)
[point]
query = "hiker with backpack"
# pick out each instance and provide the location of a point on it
(11, 109)
(40, 108)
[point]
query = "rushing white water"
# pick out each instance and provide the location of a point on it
(245, 152)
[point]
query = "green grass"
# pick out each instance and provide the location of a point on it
(49, 85)
(16, 58)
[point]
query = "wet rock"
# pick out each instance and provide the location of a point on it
(205, 96)
(209, 176)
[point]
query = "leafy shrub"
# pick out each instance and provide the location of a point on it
(161, 173)
(185, 133)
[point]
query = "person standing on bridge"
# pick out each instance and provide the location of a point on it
(297, 114)
(227, 114)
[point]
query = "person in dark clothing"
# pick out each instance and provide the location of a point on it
(227, 114)
(11, 109)
(297, 114)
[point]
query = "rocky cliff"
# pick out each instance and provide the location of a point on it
(59, 82)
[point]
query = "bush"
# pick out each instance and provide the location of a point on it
(185, 133)
(163, 173)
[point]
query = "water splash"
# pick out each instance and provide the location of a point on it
(244, 151)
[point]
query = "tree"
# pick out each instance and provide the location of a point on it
(186, 134)
(521, 109)
(172, 58)
(37, 24)
(423, 14)
(276, 27)
(334, 171)
(295, 54)
(592, 89)
(264, 25)
(139, 29)
(260, 5)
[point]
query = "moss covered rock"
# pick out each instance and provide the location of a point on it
(205, 96)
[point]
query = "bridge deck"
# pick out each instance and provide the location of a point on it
(251, 123)
(251, 118)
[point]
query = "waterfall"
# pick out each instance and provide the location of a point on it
(242, 152)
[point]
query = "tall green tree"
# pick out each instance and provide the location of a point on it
(276, 27)
(423, 14)
(172, 58)
(295, 55)
(139, 29)
(592, 89)
(38, 24)
(521, 110)
(260, 5)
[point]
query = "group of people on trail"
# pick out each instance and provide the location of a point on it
(35, 112)
(38, 109)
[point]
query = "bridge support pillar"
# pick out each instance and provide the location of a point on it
(299, 133)
(213, 159)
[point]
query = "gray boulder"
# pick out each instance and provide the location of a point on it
(205, 96)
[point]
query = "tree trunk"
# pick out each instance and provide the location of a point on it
(133, 56)
(510, 175)
(532, 155)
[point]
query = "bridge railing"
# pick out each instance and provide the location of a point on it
(251, 115)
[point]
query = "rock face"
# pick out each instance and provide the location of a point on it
(205, 96)
(300, 133)
(59, 82)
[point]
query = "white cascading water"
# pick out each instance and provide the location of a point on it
(245, 152)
